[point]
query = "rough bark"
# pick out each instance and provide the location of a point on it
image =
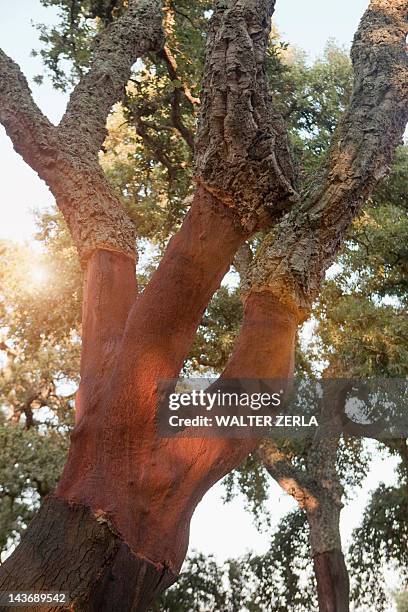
(68, 550)
(318, 492)
(136, 33)
(117, 467)
(293, 260)
(65, 157)
(242, 152)
(94, 214)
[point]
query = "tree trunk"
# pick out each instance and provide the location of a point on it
(318, 491)
(332, 581)
(116, 532)
(67, 550)
(333, 587)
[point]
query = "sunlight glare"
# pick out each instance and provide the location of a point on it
(39, 274)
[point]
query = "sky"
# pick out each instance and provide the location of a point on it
(224, 530)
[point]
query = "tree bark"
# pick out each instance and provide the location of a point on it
(242, 152)
(120, 477)
(118, 471)
(333, 588)
(67, 550)
(293, 259)
(66, 156)
(318, 492)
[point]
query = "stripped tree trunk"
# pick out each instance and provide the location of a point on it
(115, 531)
(318, 492)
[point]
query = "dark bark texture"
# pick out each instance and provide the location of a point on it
(242, 151)
(65, 157)
(68, 550)
(293, 260)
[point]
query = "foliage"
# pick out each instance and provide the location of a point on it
(363, 332)
(380, 541)
(217, 332)
(312, 99)
(148, 153)
(363, 325)
(40, 349)
(30, 464)
(280, 580)
(252, 480)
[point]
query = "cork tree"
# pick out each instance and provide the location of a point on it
(114, 533)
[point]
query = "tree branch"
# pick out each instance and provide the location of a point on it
(317, 489)
(155, 147)
(242, 260)
(242, 152)
(134, 34)
(95, 216)
(293, 265)
(200, 253)
(32, 134)
(293, 480)
(176, 98)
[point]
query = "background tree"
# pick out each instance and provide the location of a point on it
(363, 330)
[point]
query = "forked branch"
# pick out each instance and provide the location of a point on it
(66, 156)
(309, 237)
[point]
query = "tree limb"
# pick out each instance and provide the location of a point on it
(66, 157)
(176, 98)
(293, 480)
(32, 134)
(155, 147)
(198, 256)
(242, 152)
(317, 489)
(292, 266)
(137, 32)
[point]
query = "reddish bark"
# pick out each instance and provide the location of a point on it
(332, 581)
(110, 290)
(129, 482)
(124, 481)
(265, 346)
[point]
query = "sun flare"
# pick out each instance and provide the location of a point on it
(39, 274)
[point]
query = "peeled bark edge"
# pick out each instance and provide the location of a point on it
(293, 259)
(99, 572)
(242, 150)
